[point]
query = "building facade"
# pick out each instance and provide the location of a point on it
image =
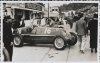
(24, 10)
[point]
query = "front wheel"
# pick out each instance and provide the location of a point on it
(59, 43)
(18, 41)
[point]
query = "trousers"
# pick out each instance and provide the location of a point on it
(10, 51)
(82, 41)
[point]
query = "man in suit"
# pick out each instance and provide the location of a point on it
(81, 32)
(7, 35)
(93, 27)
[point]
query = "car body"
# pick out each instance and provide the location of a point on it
(44, 35)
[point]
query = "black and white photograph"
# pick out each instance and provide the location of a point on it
(0, 31)
(49, 0)
(50, 31)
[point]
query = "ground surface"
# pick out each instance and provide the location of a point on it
(44, 52)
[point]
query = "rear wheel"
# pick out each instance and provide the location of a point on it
(59, 43)
(18, 41)
(73, 40)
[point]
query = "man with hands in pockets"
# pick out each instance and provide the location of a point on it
(81, 32)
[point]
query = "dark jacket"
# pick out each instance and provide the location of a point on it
(15, 24)
(7, 34)
(93, 26)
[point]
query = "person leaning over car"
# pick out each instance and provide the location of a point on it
(81, 32)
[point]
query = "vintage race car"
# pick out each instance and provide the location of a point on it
(44, 35)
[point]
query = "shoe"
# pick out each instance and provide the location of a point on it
(91, 50)
(82, 51)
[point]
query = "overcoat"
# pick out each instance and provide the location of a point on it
(93, 26)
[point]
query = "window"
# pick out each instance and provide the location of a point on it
(27, 16)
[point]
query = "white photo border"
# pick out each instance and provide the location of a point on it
(98, 53)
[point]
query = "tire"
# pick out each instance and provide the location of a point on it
(18, 41)
(59, 43)
(73, 40)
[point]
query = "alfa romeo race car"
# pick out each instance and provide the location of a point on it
(44, 35)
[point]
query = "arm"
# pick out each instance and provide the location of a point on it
(23, 24)
(85, 27)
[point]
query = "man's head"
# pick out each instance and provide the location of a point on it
(80, 15)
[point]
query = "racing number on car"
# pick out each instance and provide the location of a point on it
(47, 31)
